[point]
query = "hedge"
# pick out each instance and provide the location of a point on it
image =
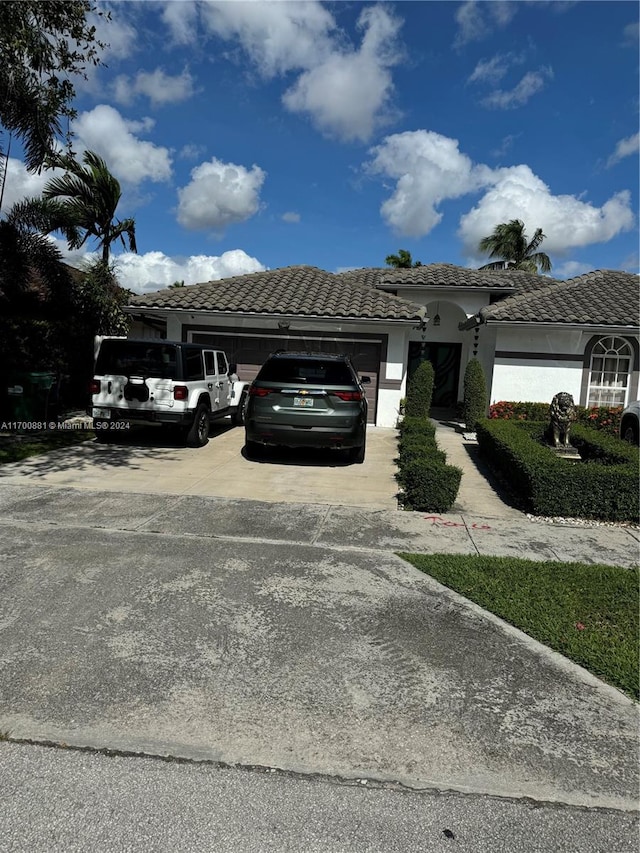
(428, 483)
(603, 485)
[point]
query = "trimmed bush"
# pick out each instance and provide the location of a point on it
(475, 394)
(428, 483)
(420, 391)
(602, 486)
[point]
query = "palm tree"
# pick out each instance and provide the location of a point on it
(402, 260)
(510, 243)
(82, 203)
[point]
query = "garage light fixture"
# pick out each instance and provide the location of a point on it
(436, 319)
(284, 325)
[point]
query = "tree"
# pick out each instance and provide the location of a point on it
(177, 284)
(81, 203)
(43, 46)
(402, 260)
(509, 242)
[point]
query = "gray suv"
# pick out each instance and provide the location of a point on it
(307, 399)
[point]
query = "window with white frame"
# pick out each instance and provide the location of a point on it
(609, 371)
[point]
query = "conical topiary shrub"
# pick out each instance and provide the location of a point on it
(420, 392)
(475, 394)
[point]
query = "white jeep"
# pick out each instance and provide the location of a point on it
(163, 383)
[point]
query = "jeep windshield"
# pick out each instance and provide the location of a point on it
(137, 358)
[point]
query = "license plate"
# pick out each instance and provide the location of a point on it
(102, 413)
(303, 401)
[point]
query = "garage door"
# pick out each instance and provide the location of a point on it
(250, 352)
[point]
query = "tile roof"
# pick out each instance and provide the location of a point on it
(601, 297)
(450, 275)
(297, 290)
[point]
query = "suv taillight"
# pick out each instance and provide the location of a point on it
(94, 386)
(348, 396)
(260, 392)
(180, 392)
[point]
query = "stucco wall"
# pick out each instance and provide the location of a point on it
(534, 364)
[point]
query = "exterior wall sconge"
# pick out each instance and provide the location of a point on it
(284, 325)
(436, 319)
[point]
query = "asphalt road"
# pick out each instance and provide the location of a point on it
(59, 801)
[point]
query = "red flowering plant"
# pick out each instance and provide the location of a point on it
(603, 418)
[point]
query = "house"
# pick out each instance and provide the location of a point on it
(534, 335)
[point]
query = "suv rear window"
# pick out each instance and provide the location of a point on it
(137, 358)
(306, 370)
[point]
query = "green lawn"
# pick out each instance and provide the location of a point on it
(13, 448)
(589, 613)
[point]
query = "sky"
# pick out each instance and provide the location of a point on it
(251, 135)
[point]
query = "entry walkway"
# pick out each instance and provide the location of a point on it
(479, 492)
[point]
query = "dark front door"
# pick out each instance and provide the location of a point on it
(445, 359)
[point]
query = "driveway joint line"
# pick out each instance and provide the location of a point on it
(321, 524)
(466, 527)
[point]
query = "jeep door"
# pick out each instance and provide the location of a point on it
(217, 383)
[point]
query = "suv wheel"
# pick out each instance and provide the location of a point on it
(198, 433)
(356, 454)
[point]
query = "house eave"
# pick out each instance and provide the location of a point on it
(159, 311)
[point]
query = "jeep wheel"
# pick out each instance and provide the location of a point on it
(103, 434)
(198, 434)
(237, 416)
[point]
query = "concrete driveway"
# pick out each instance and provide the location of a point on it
(263, 634)
(148, 462)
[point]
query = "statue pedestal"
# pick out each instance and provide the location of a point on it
(566, 453)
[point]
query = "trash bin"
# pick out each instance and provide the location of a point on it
(28, 396)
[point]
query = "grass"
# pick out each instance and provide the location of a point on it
(14, 447)
(589, 613)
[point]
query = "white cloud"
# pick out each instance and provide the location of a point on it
(155, 270)
(20, 184)
(181, 19)
(348, 94)
(489, 70)
(159, 87)
(429, 168)
(278, 37)
(191, 151)
(219, 194)
(131, 160)
(532, 83)
(625, 148)
(346, 91)
(477, 21)
(505, 145)
(290, 216)
(631, 34)
(567, 221)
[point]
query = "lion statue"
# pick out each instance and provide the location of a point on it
(562, 412)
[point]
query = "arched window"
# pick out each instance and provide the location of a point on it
(609, 370)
